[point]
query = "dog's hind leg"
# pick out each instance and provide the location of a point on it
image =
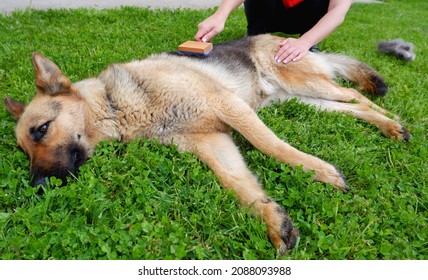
(219, 152)
(387, 126)
(322, 92)
(321, 87)
(329, 90)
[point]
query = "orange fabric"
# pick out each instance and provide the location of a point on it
(291, 3)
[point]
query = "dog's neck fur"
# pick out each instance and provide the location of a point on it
(99, 114)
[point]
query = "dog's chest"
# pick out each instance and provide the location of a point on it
(162, 114)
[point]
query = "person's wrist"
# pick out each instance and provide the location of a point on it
(306, 42)
(220, 17)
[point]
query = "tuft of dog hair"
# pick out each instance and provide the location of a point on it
(399, 48)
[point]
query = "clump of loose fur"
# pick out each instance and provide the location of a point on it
(399, 48)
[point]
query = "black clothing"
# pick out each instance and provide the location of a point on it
(268, 16)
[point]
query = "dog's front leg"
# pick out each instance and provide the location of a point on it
(242, 118)
(219, 152)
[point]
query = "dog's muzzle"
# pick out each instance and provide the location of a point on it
(67, 162)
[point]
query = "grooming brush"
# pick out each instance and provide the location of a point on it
(195, 48)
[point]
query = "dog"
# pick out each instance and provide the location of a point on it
(195, 103)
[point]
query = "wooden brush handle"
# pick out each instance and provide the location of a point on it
(196, 47)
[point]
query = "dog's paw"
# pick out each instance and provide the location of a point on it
(279, 227)
(396, 131)
(332, 175)
(289, 236)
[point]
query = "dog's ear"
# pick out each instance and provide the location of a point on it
(49, 79)
(14, 107)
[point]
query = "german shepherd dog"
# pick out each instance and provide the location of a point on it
(194, 103)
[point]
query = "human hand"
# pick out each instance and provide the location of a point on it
(291, 49)
(209, 28)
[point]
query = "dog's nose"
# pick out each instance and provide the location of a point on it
(39, 180)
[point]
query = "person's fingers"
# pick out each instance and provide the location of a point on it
(290, 50)
(299, 57)
(283, 42)
(209, 28)
(283, 52)
(204, 36)
(292, 54)
(209, 36)
(203, 29)
(287, 53)
(199, 35)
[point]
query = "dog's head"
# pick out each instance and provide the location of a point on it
(51, 128)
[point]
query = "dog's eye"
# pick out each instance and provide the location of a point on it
(40, 131)
(43, 128)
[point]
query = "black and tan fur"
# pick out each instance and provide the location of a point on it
(194, 103)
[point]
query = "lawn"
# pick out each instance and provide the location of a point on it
(147, 201)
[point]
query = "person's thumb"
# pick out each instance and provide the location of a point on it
(209, 36)
(199, 35)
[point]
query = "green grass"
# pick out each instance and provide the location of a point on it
(146, 201)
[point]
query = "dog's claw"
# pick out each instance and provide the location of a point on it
(332, 175)
(346, 188)
(288, 234)
(343, 186)
(289, 240)
(405, 135)
(280, 229)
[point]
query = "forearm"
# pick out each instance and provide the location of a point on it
(292, 49)
(226, 7)
(214, 24)
(328, 23)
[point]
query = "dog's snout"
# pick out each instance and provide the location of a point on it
(74, 156)
(59, 164)
(39, 180)
(77, 157)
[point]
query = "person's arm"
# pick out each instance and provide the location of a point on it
(292, 49)
(214, 24)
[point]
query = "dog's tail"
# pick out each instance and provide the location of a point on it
(367, 78)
